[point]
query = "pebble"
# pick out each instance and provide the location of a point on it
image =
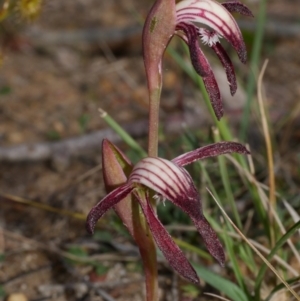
(17, 297)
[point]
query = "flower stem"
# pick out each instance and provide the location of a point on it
(153, 122)
(147, 250)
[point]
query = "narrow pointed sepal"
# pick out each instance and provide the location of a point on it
(190, 37)
(237, 7)
(210, 239)
(228, 66)
(211, 150)
(164, 241)
(202, 67)
(116, 168)
(190, 203)
(105, 204)
(214, 94)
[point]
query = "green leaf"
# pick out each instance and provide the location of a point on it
(225, 286)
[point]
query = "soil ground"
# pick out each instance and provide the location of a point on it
(51, 86)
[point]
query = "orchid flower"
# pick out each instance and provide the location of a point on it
(188, 15)
(166, 180)
(217, 16)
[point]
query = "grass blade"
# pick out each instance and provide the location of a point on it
(277, 246)
(256, 50)
(123, 134)
(281, 286)
(271, 267)
(225, 286)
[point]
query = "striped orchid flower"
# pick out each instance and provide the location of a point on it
(189, 18)
(221, 23)
(158, 178)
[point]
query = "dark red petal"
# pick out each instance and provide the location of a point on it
(210, 238)
(237, 7)
(202, 67)
(209, 151)
(191, 204)
(164, 241)
(213, 91)
(191, 38)
(227, 64)
(106, 203)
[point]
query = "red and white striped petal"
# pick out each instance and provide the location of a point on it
(105, 204)
(162, 176)
(166, 244)
(217, 17)
(208, 151)
(175, 184)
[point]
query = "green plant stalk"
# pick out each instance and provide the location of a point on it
(230, 197)
(225, 178)
(249, 255)
(233, 259)
(122, 133)
(191, 248)
(254, 62)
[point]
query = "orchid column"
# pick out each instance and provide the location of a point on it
(158, 30)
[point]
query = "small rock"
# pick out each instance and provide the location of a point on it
(17, 297)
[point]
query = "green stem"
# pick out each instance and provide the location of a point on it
(256, 50)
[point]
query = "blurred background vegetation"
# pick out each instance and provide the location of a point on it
(63, 60)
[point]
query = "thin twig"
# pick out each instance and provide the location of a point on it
(216, 296)
(272, 198)
(105, 295)
(72, 147)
